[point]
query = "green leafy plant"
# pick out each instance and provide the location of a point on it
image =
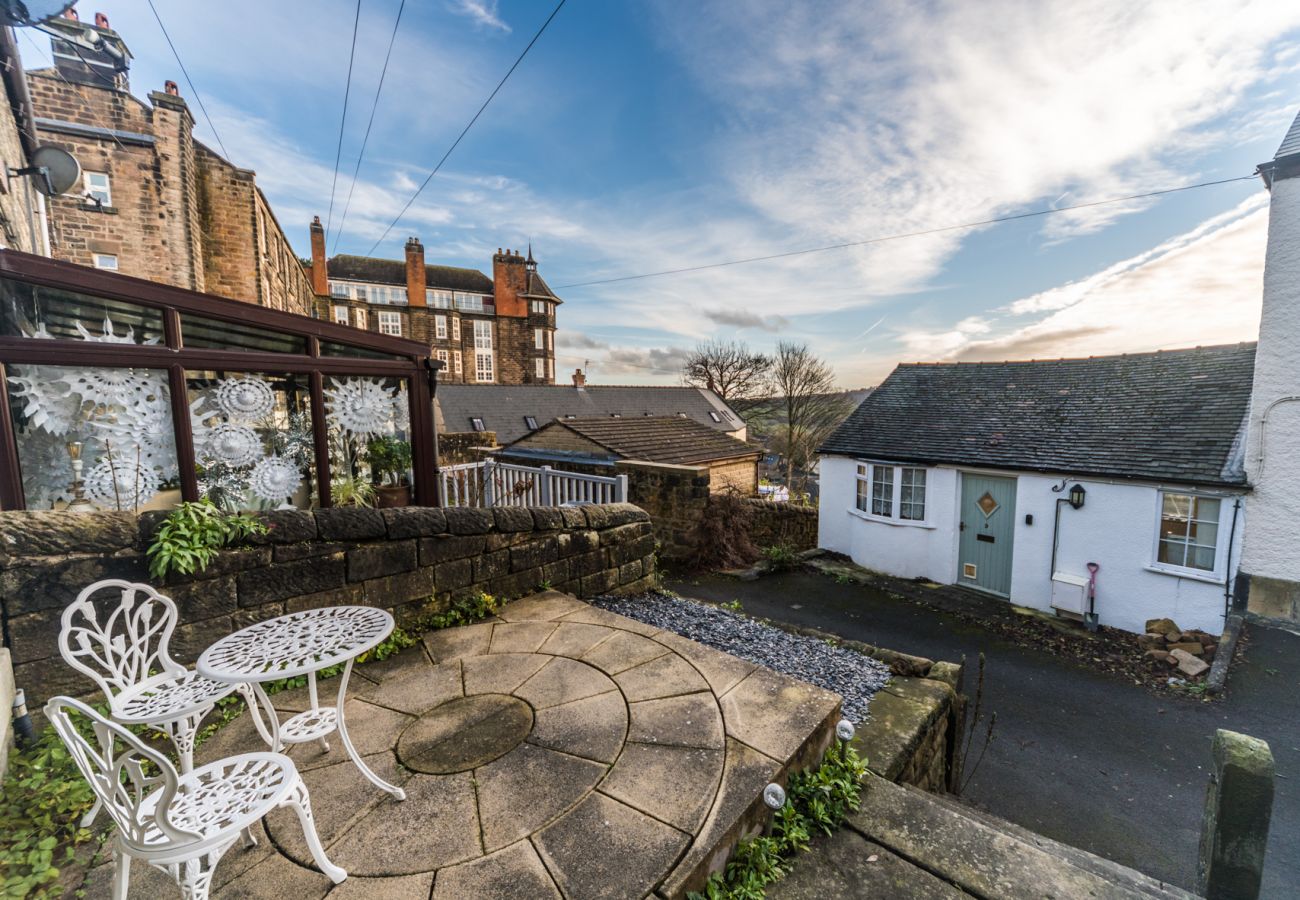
(390, 458)
(780, 557)
(41, 805)
(191, 535)
(817, 799)
(733, 605)
(464, 611)
(351, 491)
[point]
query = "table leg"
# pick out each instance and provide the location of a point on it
(254, 708)
(347, 742)
(315, 704)
(272, 735)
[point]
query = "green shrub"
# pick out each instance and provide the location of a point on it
(463, 612)
(817, 799)
(780, 557)
(191, 535)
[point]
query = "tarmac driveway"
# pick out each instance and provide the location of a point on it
(1083, 757)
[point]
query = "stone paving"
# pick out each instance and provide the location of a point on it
(557, 750)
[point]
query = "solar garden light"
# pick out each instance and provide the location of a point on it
(774, 796)
(844, 730)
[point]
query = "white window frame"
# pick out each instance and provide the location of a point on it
(550, 340)
(363, 319)
(455, 328)
(539, 367)
(1215, 575)
(539, 339)
(440, 327)
(340, 315)
(339, 290)
(108, 262)
(390, 323)
(868, 475)
(438, 299)
(457, 361)
(93, 191)
(443, 358)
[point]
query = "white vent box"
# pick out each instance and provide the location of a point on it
(1069, 593)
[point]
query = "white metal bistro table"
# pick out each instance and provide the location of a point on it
(301, 643)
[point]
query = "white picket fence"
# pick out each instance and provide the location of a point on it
(492, 483)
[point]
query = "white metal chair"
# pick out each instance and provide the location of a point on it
(118, 632)
(181, 824)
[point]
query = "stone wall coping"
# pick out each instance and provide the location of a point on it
(642, 465)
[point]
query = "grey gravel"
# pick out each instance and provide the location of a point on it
(850, 674)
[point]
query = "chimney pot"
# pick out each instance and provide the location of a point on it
(71, 13)
(172, 88)
(101, 21)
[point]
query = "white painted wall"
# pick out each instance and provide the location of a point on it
(1274, 504)
(1116, 528)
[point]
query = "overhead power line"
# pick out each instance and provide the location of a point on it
(197, 96)
(908, 234)
(383, 73)
(466, 129)
(347, 91)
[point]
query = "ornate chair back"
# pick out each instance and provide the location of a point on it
(122, 771)
(120, 638)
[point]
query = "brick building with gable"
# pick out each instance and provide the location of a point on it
(154, 202)
(488, 330)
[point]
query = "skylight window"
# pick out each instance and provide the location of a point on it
(714, 416)
(477, 424)
(530, 423)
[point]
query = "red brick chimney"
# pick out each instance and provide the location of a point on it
(509, 280)
(415, 283)
(101, 21)
(170, 87)
(579, 380)
(71, 13)
(320, 283)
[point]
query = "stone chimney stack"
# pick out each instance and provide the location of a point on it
(509, 280)
(415, 283)
(88, 54)
(579, 379)
(320, 276)
(1269, 578)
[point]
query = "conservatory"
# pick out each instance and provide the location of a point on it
(122, 394)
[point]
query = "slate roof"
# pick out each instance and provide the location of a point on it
(503, 407)
(537, 287)
(393, 271)
(660, 439)
(1290, 143)
(1175, 415)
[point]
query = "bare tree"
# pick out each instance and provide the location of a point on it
(730, 369)
(806, 405)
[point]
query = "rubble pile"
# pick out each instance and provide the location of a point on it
(1190, 652)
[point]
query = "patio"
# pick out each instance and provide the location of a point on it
(557, 750)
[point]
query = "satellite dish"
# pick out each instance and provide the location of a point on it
(32, 12)
(56, 169)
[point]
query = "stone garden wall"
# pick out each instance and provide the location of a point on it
(788, 524)
(407, 560)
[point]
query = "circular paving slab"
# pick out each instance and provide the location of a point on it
(465, 733)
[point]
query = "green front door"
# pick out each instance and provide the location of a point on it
(988, 524)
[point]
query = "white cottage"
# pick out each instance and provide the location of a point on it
(1121, 487)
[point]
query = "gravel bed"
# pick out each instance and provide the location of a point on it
(850, 674)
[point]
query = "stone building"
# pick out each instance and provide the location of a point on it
(22, 207)
(154, 202)
(497, 330)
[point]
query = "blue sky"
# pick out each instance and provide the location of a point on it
(657, 134)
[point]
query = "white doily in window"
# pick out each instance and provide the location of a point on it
(109, 387)
(362, 406)
(245, 398)
(120, 483)
(109, 335)
(148, 430)
(274, 478)
(234, 445)
(47, 402)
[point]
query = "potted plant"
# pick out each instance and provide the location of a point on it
(390, 459)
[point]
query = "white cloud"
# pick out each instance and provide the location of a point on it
(1201, 287)
(482, 12)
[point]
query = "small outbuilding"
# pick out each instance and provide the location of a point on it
(663, 440)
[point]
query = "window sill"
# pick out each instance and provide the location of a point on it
(1189, 574)
(96, 208)
(897, 523)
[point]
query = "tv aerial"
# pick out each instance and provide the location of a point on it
(55, 170)
(20, 13)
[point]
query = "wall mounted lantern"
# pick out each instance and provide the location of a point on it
(1076, 496)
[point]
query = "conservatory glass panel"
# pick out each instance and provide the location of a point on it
(29, 310)
(368, 419)
(94, 438)
(253, 442)
(213, 334)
